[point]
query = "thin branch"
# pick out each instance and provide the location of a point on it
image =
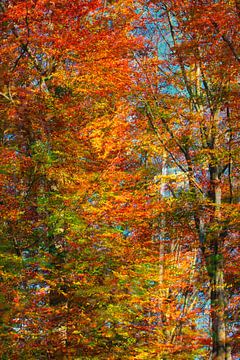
(185, 171)
(228, 42)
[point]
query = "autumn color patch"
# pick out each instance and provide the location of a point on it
(119, 179)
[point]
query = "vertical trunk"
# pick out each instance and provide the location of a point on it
(215, 267)
(220, 348)
(217, 307)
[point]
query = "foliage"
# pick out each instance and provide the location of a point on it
(119, 187)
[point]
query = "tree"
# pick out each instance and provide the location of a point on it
(189, 99)
(64, 74)
(118, 179)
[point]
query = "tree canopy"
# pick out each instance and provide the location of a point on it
(119, 174)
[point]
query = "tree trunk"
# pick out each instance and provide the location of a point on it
(217, 309)
(215, 266)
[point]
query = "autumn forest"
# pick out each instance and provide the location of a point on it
(119, 179)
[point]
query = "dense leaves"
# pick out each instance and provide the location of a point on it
(119, 180)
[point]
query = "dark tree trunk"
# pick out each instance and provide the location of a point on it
(215, 267)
